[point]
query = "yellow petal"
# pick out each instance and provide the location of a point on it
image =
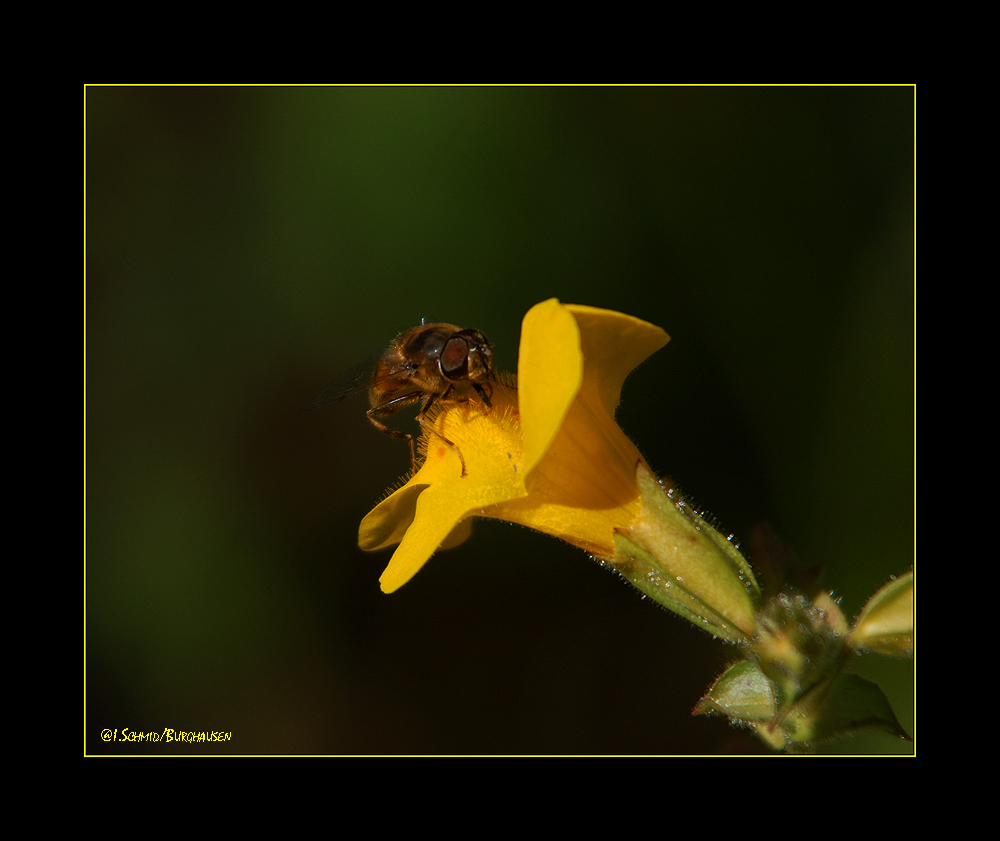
(613, 345)
(550, 372)
(436, 516)
(572, 364)
(388, 521)
(434, 507)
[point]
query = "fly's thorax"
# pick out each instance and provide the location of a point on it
(423, 345)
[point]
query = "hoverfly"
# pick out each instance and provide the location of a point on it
(432, 363)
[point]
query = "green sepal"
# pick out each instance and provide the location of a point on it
(674, 556)
(640, 567)
(885, 625)
(742, 693)
(674, 510)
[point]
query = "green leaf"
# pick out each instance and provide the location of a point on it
(853, 704)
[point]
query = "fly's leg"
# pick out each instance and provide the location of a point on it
(394, 433)
(389, 408)
(483, 394)
(426, 425)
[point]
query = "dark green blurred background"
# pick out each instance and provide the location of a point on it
(245, 245)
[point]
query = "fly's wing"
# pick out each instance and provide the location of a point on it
(353, 380)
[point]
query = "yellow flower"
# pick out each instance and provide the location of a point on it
(548, 455)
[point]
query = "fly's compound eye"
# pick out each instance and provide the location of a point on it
(455, 358)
